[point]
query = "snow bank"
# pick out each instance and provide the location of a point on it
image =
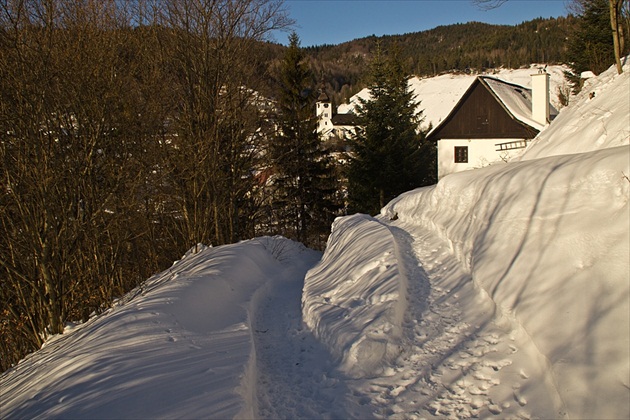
(547, 238)
(180, 346)
(598, 119)
(354, 299)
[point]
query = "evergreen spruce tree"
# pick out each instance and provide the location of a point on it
(304, 182)
(389, 155)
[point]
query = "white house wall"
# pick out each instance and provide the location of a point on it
(481, 152)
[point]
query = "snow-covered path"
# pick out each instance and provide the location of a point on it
(501, 292)
(296, 375)
(460, 361)
(431, 343)
(457, 358)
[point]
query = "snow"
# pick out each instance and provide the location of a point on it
(519, 104)
(180, 346)
(501, 292)
(438, 95)
(599, 119)
(547, 240)
(355, 299)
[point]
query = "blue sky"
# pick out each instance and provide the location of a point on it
(335, 21)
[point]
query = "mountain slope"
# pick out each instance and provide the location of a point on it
(458, 47)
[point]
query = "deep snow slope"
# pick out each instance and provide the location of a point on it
(180, 346)
(547, 239)
(599, 118)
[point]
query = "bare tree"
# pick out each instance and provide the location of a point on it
(217, 119)
(129, 131)
(69, 165)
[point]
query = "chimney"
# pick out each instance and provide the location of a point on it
(540, 97)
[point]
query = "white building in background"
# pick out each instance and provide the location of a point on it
(491, 122)
(332, 124)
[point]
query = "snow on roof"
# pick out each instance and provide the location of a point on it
(438, 95)
(516, 99)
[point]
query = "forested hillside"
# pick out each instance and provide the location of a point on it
(460, 47)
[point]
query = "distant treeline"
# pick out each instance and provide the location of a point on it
(462, 47)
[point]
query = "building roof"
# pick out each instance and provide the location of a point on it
(515, 99)
(344, 119)
(323, 97)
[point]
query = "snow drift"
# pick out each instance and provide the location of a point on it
(546, 239)
(180, 346)
(599, 118)
(354, 299)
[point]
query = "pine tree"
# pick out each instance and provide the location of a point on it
(389, 155)
(303, 181)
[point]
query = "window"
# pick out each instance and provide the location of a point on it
(461, 154)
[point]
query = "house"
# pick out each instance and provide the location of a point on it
(490, 122)
(332, 124)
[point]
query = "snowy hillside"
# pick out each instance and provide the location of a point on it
(438, 95)
(501, 292)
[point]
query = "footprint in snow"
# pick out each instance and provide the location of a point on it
(522, 401)
(495, 409)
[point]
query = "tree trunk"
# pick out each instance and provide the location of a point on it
(382, 198)
(614, 24)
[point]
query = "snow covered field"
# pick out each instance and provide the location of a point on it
(499, 292)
